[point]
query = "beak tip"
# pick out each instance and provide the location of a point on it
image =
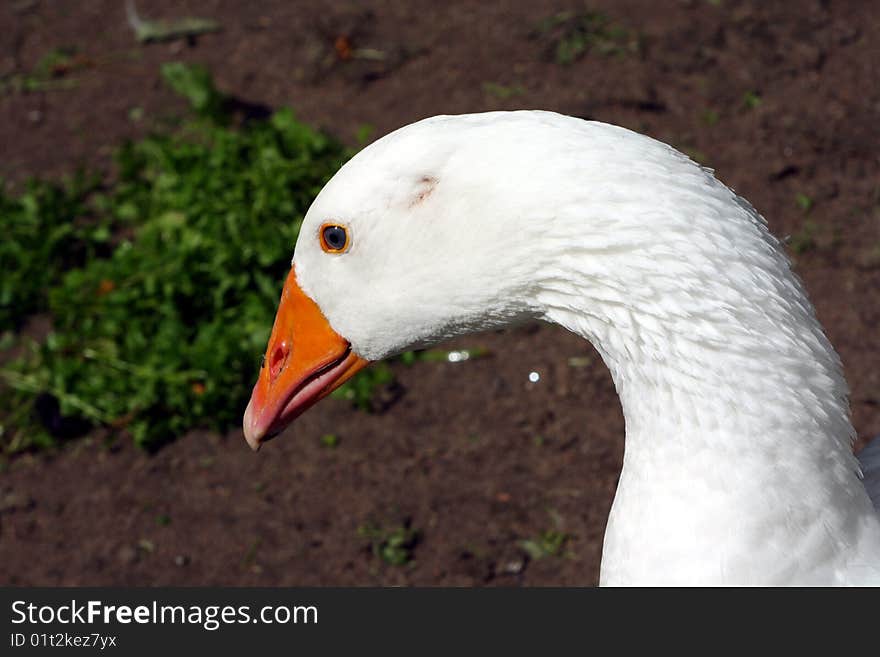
(252, 435)
(254, 440)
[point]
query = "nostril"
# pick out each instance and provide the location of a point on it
(277, 360)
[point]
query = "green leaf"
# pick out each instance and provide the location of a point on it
(194, 83)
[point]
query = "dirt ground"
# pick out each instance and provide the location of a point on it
(781, 98)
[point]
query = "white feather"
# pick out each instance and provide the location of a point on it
(738, 466)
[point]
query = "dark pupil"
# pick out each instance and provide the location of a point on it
(334, 236)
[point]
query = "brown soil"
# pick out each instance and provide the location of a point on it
(472, 455)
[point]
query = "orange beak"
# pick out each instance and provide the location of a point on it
(305, 361)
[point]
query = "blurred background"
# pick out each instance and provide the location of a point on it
(157, 157)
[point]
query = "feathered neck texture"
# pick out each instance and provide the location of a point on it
(738, 463)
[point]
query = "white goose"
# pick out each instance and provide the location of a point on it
(738, 465)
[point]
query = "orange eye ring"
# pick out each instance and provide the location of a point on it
(334, 238)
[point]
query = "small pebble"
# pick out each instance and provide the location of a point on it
(513, 567)
(127, 555)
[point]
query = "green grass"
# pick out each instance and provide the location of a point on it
(364, 133)
(161, 289)
(195, 84)
(805, 238)
(47, 229)
(548, 543)
(502, 92)
(751, 100)
(393, 545)
(710, 117)
(804, 202)
(443, 355)
(570, 35)
(361, 390)
(49, 74)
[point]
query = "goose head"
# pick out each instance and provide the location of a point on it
(407, 245)
(463, 223)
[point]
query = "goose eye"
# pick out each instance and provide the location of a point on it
(334, 238)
